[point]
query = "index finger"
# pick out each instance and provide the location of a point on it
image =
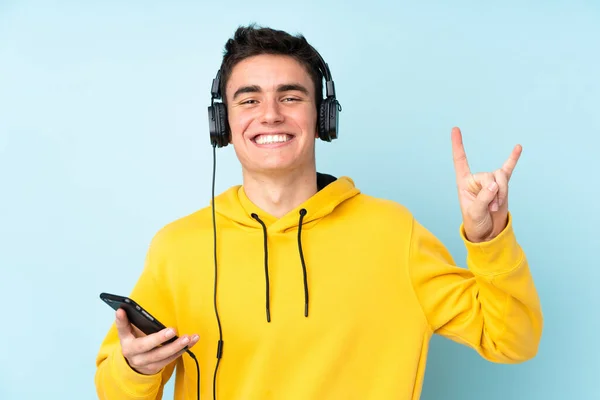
(154, 340)
(511, 163)
(459, 156)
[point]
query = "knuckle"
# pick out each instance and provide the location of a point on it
(133, 347)
(140, 360)
(136, 347)
(460, 158)
(134, 362)
(126, 351)
(500, 175)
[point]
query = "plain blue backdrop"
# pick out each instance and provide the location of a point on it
(104, 139)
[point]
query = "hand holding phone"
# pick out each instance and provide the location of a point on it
(149, 346)
(148, 354)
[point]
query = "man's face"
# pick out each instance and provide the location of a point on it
(272, 114)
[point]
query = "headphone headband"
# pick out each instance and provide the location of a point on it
(215, 89)
(329, 85)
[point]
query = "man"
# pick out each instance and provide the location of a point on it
(322, 292)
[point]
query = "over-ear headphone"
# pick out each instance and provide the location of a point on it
(328, 119)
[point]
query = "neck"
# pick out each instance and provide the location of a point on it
(278, 195)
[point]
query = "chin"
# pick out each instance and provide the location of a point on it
(276, 167)
(273, 166)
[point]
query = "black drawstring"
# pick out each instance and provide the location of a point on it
(266, 264)
(302, 214)
(266, 249)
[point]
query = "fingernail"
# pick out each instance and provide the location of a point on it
(185, 340)
(492, 186)
(500, 202)
(494, 206)
(169, 333)
(195, 338)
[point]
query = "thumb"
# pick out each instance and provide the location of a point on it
(485, 196)
(124, 328)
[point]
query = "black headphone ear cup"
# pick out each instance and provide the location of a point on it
(323, 119)
(224, 124)
(219, 129)
(328, 119)
(333, 119)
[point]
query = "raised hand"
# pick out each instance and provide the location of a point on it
(483, 196)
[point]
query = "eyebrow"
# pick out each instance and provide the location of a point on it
(288, 87)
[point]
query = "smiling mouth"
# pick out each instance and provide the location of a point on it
(272, 139)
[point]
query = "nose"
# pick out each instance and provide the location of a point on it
(271, 112)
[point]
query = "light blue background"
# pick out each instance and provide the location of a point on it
(103, 140)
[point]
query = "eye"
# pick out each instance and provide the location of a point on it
(287, 99)
(248, 102)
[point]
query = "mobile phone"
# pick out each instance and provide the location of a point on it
(137, 316)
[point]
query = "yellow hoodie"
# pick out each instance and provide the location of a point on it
(377, 286)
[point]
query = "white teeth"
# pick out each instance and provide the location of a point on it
(269, 139)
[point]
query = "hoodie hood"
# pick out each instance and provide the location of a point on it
(234, 205)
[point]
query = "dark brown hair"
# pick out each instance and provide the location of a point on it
(251, 40)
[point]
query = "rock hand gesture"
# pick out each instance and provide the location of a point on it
(483, 197)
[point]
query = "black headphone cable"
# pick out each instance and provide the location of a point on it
(220, 343)
(193, 356)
